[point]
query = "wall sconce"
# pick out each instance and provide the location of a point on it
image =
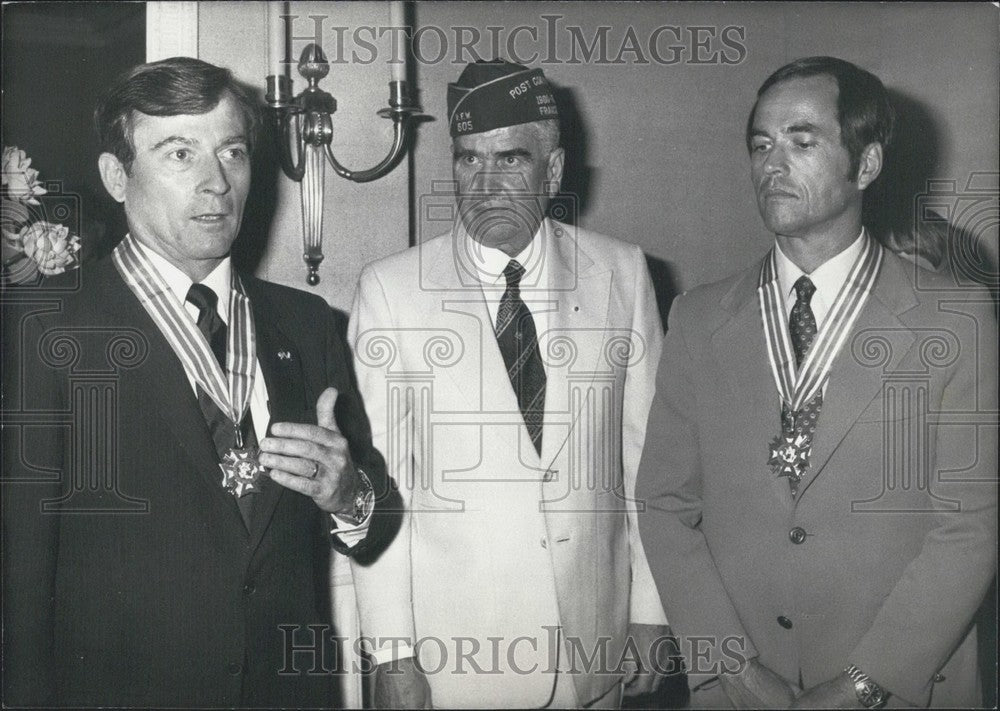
(303, 131)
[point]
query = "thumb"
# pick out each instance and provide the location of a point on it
(324, 409)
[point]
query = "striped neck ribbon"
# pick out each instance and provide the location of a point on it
(797, 388)
(230, 390)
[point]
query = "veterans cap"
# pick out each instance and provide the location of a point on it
(497, 94)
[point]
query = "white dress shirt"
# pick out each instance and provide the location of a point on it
(219, 281)
(828, 278)
(489, 264)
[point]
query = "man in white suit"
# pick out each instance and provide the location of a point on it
(508, 365)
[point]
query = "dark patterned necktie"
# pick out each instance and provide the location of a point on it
(518, 340)
(222, 428)
(802, 329)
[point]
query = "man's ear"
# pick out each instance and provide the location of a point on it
(870, 166)
(113, 175)
(554, 171)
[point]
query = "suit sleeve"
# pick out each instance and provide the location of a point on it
(352, 419)
(669, 485)
(929, 610)
(644, 603)
(385, 603)
(30, 538)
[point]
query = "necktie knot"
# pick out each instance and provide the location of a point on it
(513, 273)
(804, 289)
(204, 297)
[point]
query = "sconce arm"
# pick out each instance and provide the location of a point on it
(282, 119)
(387, 163)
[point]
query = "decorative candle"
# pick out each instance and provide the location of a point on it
(276, 38)
(397, 58)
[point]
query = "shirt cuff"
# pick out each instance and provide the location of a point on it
(390, 650)
(349, 532)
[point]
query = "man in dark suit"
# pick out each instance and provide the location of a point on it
(182, 443)
(820, 465)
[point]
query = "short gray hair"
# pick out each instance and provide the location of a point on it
(547, 132)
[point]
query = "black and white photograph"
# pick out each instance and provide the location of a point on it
(432, 354)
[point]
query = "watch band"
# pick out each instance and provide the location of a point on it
(870, 694)
(364, 498)
(364, 502)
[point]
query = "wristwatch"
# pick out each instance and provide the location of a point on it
(364, 497)
(364, 501)
(870, 694)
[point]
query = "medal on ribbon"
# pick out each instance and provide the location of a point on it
(789, 451)
(230, 388)
(241, 469)
(790, 455)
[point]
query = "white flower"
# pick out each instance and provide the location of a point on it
(50, 246)
(19, 178)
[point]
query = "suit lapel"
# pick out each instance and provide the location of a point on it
(460, 306)
(853, 383)
(581, 292)
(577, 299)
(164, 384)
(281, 363)
(741, 351)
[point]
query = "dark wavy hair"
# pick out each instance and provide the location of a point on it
(863, 108)
(179, 85)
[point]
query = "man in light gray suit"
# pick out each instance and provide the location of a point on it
(821, 455)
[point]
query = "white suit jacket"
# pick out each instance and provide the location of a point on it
(499, 548)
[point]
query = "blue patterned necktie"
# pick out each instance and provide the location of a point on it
(802, 329)
(518, 341)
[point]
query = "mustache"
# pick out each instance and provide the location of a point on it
(777, 187)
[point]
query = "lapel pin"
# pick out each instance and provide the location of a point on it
(284, 355)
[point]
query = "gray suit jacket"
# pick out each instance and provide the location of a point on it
(898, 507)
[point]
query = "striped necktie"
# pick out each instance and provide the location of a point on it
(518, 341)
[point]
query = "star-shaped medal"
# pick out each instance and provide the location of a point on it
(241, 471)
(790, 455)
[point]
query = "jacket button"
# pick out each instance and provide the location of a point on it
(797, 535)
(235, 668)
(249, 589)
(938, 678)
(547, 476)
(545, 544)
(785, 622)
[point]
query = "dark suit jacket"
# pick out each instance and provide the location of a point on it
(129, 576)
(885, 555)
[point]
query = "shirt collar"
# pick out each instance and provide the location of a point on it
(179, 283)
(827, 277)
(490, 262)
